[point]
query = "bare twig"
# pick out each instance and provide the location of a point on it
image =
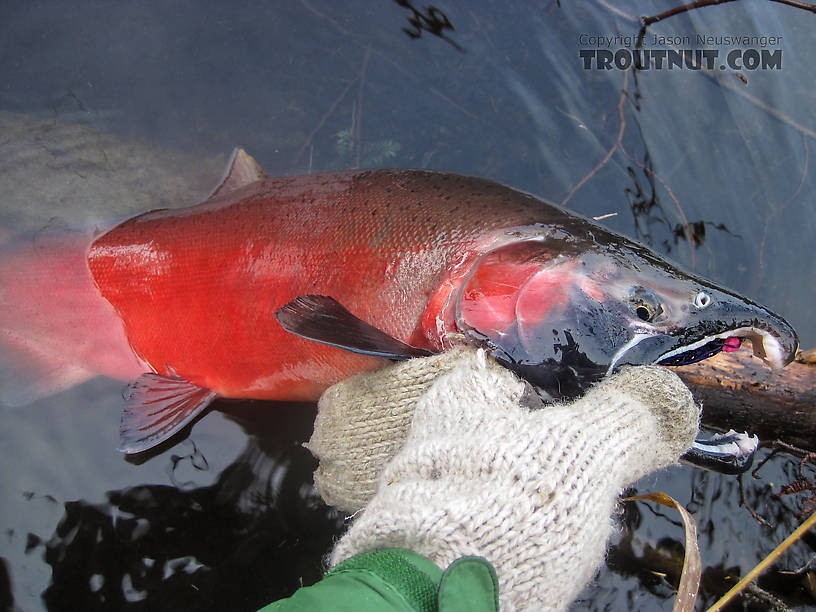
(761, 464)
(727, 83)
(778, 446)
(385, 58)
(681, 212)
(612, 150)
(764, 597)
(358, 117)
(759, 103)
(806, 6)
(776, 211)
(763, 565)
(805, 131)
(801, 570)
(455, 105)
(615, 10)
(680, 9)
(323, 119)
(606, 216)
(334, 23)
(744, 503)
(618, 145)
(803, 461)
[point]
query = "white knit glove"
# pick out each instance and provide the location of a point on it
(479, 473)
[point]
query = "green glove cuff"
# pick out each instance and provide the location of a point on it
(413, 576)
(399, 580)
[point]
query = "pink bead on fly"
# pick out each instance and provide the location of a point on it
(732, 344)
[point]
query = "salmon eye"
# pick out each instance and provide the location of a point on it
(702, 300)
(645, 303)
(643, 312)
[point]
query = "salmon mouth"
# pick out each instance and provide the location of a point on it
(765, 346)
(709, 349)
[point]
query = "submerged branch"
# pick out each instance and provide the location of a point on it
(806, 6)
(740, 392)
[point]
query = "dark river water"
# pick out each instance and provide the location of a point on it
(111, 108)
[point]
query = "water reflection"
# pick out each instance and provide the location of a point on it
(255, 535)
(6, 597)
(279, 78)
(649, 551)
(260, 531)
(653, 225)
(431, 20)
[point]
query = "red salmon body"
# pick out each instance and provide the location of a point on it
(197, 288)
(278, 288)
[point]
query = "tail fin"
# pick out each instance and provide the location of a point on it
(55, 328)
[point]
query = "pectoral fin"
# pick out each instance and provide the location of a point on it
(158, 407)
(323, 319)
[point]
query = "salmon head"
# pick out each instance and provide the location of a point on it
(570, 305)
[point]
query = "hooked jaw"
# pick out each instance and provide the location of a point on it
(719, 328)
(765, 345)
(772, 340)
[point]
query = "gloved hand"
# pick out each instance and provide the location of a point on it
(451, 461)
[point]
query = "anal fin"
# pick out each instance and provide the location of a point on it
(323, 319)
(158, 407)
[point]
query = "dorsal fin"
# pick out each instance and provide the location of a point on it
(242, 169)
